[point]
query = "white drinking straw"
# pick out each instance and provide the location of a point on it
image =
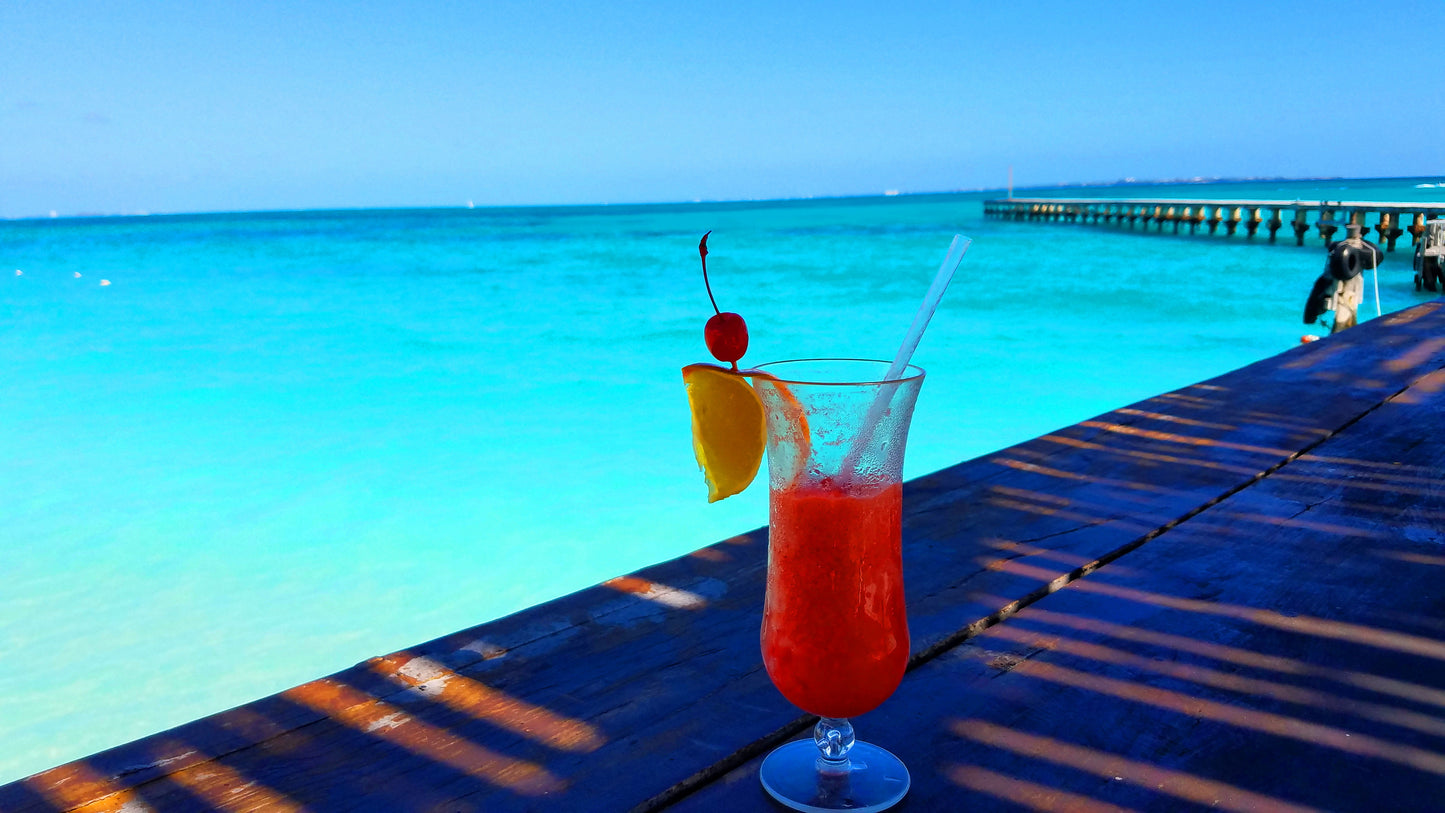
(931, 299)
(1375, 267)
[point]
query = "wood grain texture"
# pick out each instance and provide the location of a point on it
(1282, 650)
(640, 691)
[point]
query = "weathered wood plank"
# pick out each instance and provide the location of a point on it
(646, 686)
(1282, 650)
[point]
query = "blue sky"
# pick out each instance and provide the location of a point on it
(185, 106)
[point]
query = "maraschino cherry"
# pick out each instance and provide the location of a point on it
(726, 334)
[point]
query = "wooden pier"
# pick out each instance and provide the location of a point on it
(1387, 220)
(1226, 597)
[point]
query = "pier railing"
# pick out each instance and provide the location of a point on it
(1385, 218)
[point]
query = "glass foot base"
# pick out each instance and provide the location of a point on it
(874, 779)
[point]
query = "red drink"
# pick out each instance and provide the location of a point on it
(835, 628)
(835, 625)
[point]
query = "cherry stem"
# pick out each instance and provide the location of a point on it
(702, 252)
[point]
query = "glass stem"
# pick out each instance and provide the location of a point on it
(834, 738)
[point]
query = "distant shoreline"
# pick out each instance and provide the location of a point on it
(889, 194)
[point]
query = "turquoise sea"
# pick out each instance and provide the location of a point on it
(276, 444)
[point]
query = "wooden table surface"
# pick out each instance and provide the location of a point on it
(1231, 596)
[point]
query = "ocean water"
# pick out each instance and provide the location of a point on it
(277, 444)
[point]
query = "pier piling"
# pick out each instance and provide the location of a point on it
(1252, 221)
(1417, 228)
(1388, 231)
(1274, 223)
(1327, 225)
(1231, 222)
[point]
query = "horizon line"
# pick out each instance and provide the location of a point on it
(890, 193)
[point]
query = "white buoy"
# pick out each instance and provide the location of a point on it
(77, 275)
(105, 282)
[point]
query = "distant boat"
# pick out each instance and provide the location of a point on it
(1427, 185)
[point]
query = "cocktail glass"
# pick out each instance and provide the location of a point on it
(835, 627)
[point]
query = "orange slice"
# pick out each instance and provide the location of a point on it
(788, 428)
(729, 433)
